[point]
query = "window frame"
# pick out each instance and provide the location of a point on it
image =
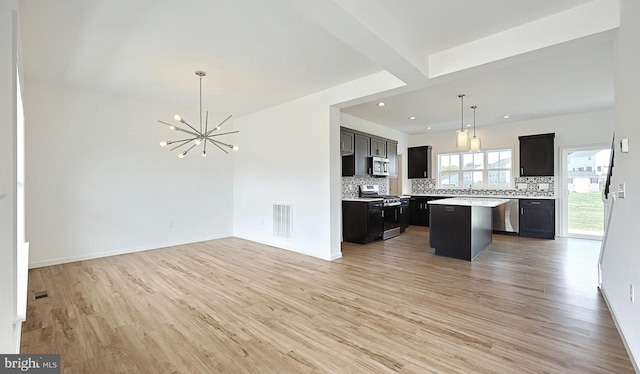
(485, 170)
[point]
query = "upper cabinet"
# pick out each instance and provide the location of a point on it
(419, 162)
(357, 147)
(392, 155)
(378, 147)
(537, 155)
(346, 142)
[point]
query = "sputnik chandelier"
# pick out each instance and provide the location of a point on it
(198, 137)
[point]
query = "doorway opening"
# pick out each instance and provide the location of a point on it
(585, 173)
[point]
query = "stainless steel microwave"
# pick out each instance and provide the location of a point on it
(379, 167)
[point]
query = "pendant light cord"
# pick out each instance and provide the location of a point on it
(201, 104)
(461, 112)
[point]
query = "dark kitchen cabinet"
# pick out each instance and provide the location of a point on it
(346, 142)
(362, 222)
(537, 155)
(419, 211)
(404, 213)
(537, 218)
(378, 147)
(392, 155)
(357, 164)
(419, 162)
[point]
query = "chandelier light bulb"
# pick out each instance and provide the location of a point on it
(198, 141)
(172, 127)
(235, 147)
(177, 118)
(181, 155)
(218, 128)
(163, 143)
(204, 153)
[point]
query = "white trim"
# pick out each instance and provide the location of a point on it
(335, 256)
(634, 361)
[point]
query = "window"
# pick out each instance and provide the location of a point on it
(489, 169)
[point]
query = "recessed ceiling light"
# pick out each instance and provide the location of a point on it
(382, 103)
(412, 117)
(469, 125)
(506, 117)
(429, 128)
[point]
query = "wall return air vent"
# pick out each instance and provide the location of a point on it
(283, 220)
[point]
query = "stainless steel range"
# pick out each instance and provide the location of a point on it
(390, 213)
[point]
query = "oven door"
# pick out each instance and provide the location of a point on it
(391, 221)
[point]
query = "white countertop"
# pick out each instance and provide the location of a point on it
(486, 196)
(489, 203)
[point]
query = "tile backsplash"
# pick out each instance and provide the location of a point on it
(523, 187)
(350, 185)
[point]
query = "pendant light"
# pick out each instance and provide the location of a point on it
(462, 136)
(474, 145)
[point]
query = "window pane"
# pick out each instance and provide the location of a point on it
(444, 162)
(448, 179)
(478, 160)
(455, 162)
(505, 159)
(492, 159)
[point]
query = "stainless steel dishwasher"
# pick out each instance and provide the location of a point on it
(506, 217)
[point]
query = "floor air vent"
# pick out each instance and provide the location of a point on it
(41, 295)
(282, 220)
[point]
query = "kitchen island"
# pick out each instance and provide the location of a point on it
(461, 227)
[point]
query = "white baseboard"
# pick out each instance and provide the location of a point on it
(634, 360)
(94, 255)
(335, 256)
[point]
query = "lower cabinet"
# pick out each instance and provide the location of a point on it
(404, 214)
(537, 218)
(362, 222)
(419, 209)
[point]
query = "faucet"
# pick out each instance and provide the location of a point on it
(470, 185)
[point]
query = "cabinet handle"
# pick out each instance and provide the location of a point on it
(341, 145)
(535, 203)
(521, 210)
(369, 170)
(420, 205)
(425, 174)
(521, 171)
(400, 210)
(382, 213)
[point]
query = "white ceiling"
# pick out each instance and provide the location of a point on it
(260, 53)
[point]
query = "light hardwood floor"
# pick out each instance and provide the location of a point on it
(233, 306)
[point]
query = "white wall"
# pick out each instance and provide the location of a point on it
(9, 333)
(571, 130)
(621, 261)
(290, 154)
(99, 184)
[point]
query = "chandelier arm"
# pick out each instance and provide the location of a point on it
(224, 133)
(219, 142)
(221, 123)
(214, 143)
(185, 122)
(177, 141)
(180, 145)
(190, 148)
(206, 123)
(188, 132)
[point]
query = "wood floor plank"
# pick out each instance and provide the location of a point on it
(230, 306)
